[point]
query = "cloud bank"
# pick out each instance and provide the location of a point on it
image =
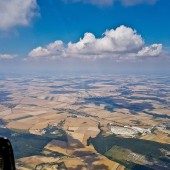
(111, 2)
(120, 43)
(7, 56)
(16, 12)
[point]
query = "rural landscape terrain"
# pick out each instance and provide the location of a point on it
(87, 123)
(85, 84)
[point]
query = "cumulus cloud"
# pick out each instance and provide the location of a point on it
(7, 56)
(53, 50)
(152, 50)
(120, 40)
(110, 2)
(120, 43)
(16, 12)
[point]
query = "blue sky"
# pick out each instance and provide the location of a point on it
(40, 23)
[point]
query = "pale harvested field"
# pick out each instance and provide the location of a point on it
(83, 133)
(83, 128)
(53, 116)
(79, 122)
(72, 128)
(161, 111)
(32, 161)
(38, 112)
(29, 101)
(24, 123)
(19, 125)
(40, 121)
(5, 112)
(15, 116)
(75, 136)
(95, 129)
(32, 109)
(159, 137)
(58, 146)
(74, 164)
(40, 125)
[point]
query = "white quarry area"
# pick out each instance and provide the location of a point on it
(140, 130)
(122, 131)
(128, 130)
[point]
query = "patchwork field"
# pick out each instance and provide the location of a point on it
(96, 123)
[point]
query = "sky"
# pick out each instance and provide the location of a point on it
(85, 36)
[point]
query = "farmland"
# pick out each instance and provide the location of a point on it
(87, 123)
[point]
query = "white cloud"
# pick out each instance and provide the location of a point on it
(110, 2)
(53, 50)
(7, 56)
(121, 43)
(16, 12)
(120, 40)
(151, 51)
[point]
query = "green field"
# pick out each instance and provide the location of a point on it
(118, 148)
